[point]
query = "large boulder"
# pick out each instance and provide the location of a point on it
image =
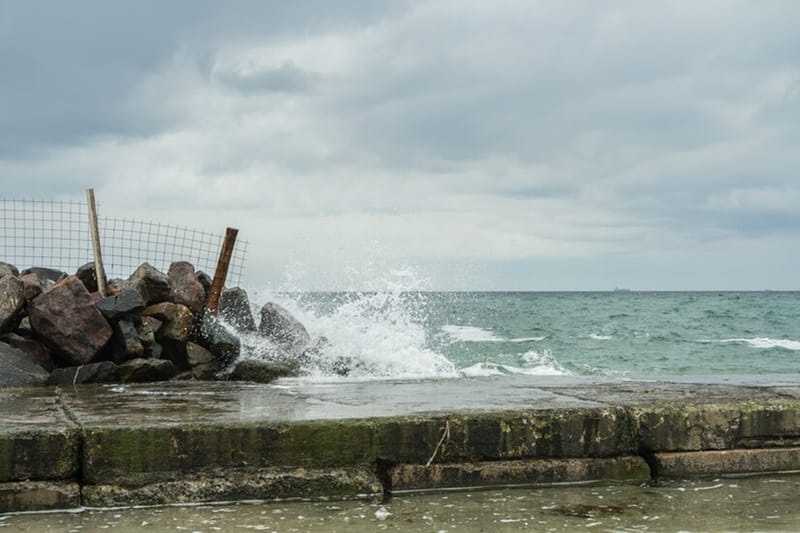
(17, 370)
(145, 370)
(126, 304)
(278, 325)
(12, 301)
(185, 288)
(151, 283)
(219, 340)
(259, 371)
(100, 372)
(202, 362)
(65, 318)
(7, 269)
(35, 350)
(234, 308)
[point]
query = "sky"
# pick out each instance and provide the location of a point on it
(444, 145)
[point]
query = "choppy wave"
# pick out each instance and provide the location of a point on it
(764, 342)
(599, 337)
(475, 334)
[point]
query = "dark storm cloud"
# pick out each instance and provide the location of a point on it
(491, 131)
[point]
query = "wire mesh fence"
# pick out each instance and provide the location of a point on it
(55, 234)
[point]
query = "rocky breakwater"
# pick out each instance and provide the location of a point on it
(55, 328)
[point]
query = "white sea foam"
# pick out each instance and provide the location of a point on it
(536, 364)
(494, 369)
(598, 337)
(764, 342)
(470, 334)
(475, 334)
(369, 334)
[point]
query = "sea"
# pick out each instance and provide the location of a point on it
(401, 334)
(395, 333)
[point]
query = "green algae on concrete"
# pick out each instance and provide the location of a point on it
(241, 484)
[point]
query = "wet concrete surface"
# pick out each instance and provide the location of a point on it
(299, 400)
(195, 433)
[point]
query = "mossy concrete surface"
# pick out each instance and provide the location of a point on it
(175, 442)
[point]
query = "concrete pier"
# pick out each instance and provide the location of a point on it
(211, 441)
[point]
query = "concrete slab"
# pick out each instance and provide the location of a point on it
(715, 462)
(405, 478)
(37, 439)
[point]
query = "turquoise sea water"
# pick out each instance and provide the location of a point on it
(626, 334)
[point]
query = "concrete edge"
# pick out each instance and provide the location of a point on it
(716, 462)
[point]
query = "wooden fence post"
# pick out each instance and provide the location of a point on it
(98, 256)
(212, 304)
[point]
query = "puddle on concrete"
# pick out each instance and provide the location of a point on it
(762, 503)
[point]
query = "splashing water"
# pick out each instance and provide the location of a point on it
(373, 334)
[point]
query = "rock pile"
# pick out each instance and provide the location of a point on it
(56, 328)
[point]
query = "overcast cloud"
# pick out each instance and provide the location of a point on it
(536, 145)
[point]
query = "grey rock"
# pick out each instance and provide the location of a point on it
(47, 276)
(234, 308)
(220, 341)
(88, 276)
(7, 269)
(127, 303)
(65, 318)
(125, 343)
(205, 280)
(278, 325)
(151, 283)
(147, 370)
(197, 355)
(17, 370)
(12, 301)
(35, 350)
(100, 372)
(185, 288)
(259, 371)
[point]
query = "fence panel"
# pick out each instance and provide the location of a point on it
(55, 234)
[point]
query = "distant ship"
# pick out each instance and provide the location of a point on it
(618, 289)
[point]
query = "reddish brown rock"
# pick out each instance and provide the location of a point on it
(177, 320)
(65, 318)
(185, 288)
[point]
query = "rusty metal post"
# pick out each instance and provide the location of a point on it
(99, 271)
(212, 304)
